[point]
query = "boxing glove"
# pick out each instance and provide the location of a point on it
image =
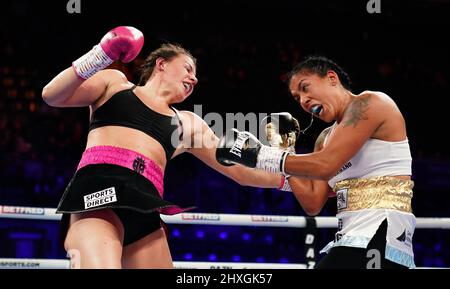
(281, 130)
(122, 43)
(245, 149)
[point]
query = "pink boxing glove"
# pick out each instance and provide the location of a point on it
(121, 43)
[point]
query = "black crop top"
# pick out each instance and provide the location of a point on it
(126, 109)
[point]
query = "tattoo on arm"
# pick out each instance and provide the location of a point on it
(357, 111)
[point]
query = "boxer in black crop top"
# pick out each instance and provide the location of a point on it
(124, 108)
(111, 208)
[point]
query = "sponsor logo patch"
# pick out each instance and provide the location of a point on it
(21, 210)
(100, 198)
(341, 196)
(200, 217)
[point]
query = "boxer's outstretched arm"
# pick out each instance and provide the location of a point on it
(203, 143)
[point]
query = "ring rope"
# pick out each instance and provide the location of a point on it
(38, 213)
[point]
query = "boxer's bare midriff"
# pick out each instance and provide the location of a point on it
(128, 138)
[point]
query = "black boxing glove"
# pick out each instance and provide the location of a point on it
(245, 149)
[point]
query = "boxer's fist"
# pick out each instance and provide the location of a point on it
(121, 43)
(238, 147)
(282, 130)
(241, 147)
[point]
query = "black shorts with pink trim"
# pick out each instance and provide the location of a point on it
(121, 185)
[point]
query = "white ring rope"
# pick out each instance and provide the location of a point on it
(36, 213)
(10, 263)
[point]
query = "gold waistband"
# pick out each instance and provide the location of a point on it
(374, 193)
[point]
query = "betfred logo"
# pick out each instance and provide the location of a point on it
(21, 210)
(273, 219)
(200, 217)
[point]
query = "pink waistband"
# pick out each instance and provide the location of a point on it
(125, 158)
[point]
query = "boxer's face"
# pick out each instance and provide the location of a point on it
(180, 75)
(315, 93)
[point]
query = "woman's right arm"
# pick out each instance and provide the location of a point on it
(69, 90)
(311, 194)
(85, 82)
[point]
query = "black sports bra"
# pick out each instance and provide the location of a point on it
(126, 109)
